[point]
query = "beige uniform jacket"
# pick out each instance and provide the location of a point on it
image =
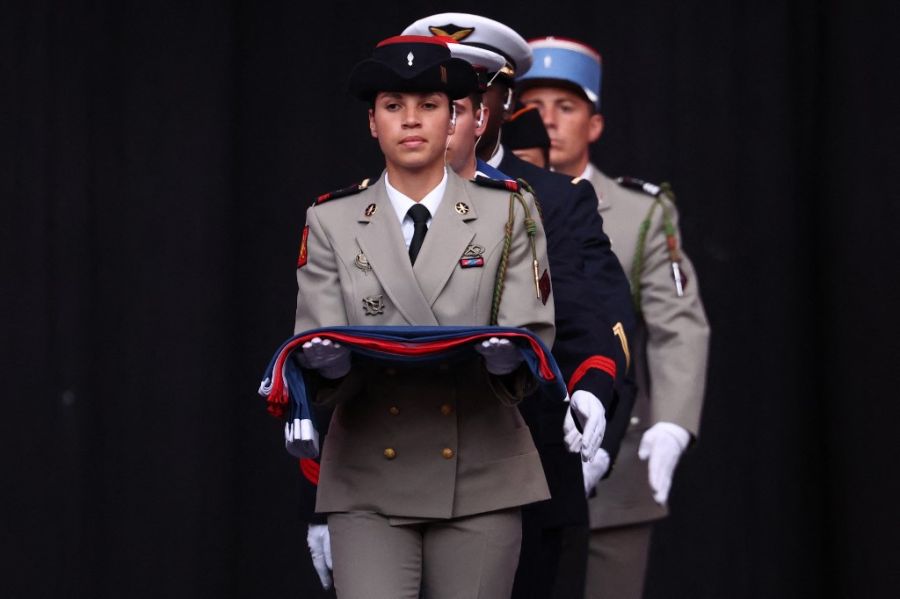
(417, 442)
(670, 350)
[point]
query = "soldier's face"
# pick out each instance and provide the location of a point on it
(570, 122)
(461, 149)
(494, 99)
(411, 128)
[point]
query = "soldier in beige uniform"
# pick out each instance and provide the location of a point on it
(424, 470)
(670, 352)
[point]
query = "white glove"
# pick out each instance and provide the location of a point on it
(332, 360)
(594, 470)
(662, 443)
(301, 439)
(571, 436)
(592, 416)
(500, 356)
(319, 542)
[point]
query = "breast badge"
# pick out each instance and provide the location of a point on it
(362, 263)
(473, 257)
(373, 305)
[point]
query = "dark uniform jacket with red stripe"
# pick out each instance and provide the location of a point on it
(575, 235)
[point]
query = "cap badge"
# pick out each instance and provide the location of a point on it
(461, 208)
(409, 58)
(548, 60)
(455, 31)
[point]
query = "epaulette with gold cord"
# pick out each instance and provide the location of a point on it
(342, 193)
(659, 193)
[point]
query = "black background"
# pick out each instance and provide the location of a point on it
(157, 159)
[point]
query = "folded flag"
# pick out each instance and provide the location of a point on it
(286, 391)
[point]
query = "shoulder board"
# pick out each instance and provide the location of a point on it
(342, 193)
(639, 185)
(663, 190)
(505, 184)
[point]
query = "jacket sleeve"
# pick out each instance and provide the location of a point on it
(319, 301)
(320, 304)
(677, 330)
(603, 272)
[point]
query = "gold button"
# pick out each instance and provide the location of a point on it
(389, 453)
(394, 410)
(447, 453)
(446, 409)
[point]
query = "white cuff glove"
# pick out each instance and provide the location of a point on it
(594, 470)
(663, 444)
(319, 542)
(592, 416)
(500, 356)
(571, 436)
(332, 360)
(301, 439)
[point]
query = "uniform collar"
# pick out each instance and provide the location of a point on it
(402, 203)
(588, 172)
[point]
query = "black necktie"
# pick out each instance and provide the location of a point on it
(420, 215)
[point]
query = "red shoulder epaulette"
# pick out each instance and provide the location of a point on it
(342, 193)
(505, 184)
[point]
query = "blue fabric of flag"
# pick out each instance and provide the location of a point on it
(285, 386)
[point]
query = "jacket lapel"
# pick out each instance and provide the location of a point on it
(381, 240)
(447, 239)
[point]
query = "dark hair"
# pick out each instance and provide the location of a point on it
(371, 102)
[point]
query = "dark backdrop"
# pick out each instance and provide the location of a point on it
(157, 159)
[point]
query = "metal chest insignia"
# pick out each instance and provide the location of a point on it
(373, 305)
(362, 263)
(473, 257)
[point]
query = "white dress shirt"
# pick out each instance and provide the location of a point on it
(497, 158)
(402, 203)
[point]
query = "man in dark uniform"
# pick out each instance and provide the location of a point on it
(555, 539)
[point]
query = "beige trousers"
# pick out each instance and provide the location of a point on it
(617, 562)
(474, 557)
